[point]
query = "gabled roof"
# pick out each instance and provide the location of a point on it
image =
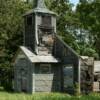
(37, 58)
(40, 8)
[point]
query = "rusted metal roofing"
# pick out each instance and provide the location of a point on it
(38, 58)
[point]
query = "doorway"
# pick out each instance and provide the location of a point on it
(68, 78)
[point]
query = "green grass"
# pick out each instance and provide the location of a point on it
(46, 96)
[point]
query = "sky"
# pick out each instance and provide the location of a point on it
(74, 1)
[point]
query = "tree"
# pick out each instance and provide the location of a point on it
(65, 19)
(88, 13)
(76, 27)
(11, 30)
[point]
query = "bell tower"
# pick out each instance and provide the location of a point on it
(40, 27)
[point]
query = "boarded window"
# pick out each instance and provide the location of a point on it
(46, 20)
(45, 68)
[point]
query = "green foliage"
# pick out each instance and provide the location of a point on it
(66, 19)
(90, 52)
(72, 26)
(58, 6)
(89, 16)
(11, 31)
(77, 89)
(47, 96)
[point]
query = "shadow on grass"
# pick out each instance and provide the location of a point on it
(8, 91)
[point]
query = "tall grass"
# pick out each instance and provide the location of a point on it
(46, 96)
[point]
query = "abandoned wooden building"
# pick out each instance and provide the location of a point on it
(45, 63)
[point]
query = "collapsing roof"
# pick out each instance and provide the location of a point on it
(37, 58)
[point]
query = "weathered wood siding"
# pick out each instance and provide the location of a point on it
(22, 71)
(47, 82)
(39, 28)
(39, 21)
(68, 57)
(43, 82)
(97, 67)
(54, 23)
(29, 34)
